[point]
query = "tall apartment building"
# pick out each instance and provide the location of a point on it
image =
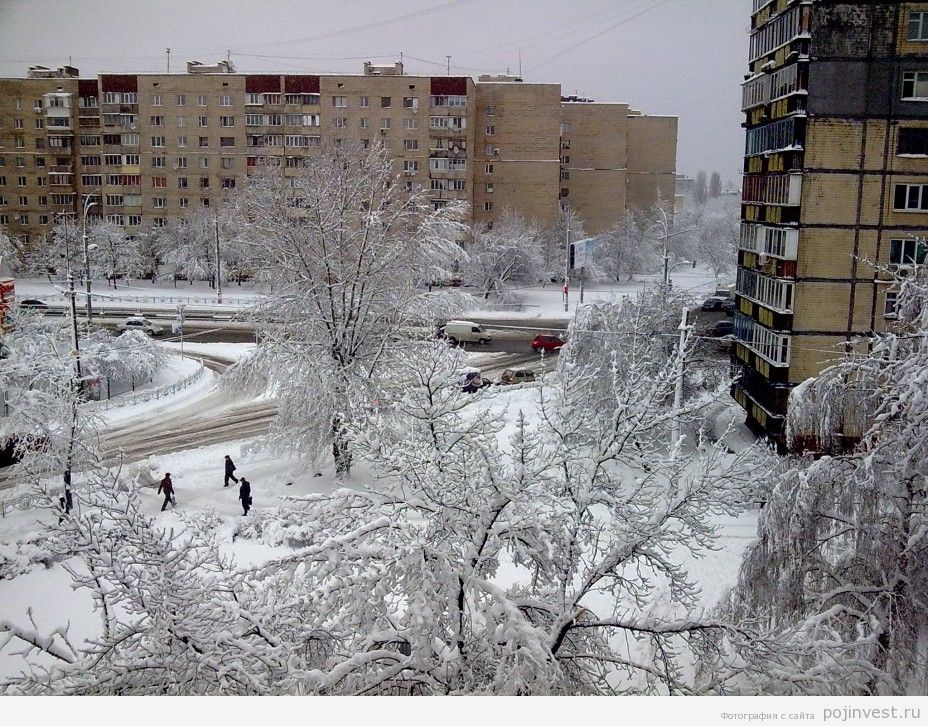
(836, 181)
(155, 146)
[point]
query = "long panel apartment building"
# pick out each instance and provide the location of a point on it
(152, 147)
(835, 187)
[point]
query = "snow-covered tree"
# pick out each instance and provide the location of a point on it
(552, 245)
(626, 249)
(117, 255)
(502, 254)
(715, 239)
(838, 575)
(348, 250)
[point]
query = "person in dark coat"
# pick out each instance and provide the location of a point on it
(230, 471)
(167, 486)
(244, 493)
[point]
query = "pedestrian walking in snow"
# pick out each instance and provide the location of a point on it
(244, 493)
(230, 471)
(167, 486)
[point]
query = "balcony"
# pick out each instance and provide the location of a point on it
(780, 242)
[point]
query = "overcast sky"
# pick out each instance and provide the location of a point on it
(678, 57)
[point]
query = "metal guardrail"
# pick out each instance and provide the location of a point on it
(154, 393)
(100, 299)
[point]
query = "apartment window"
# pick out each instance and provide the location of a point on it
(202, 121)
(340, 101)
(253, 99)
(43, 219)
(385, 123)
(159, 182)
(43, 201)
(130, 98)
(227, 162)
(273, 140)
(91, 180)
(23, 201)
(181, 99)
(915, 85)
(21, 181)
(181, 122)
(17, 123)
(157, 142)
(203, 142)
(90, 140)
(181, 182)
(490, 111)
(302, 99)
(565, 159)
(411, 144)
(907, 251)
(158, 162)
(488, 169)
(158, 202)
(913, 142)
(156, 100)
(489, 188)
(2, 181)
(364, 122)
(437, 163)
(181, 142)
(181, 162)
(364, 101)
(22, 218)
(204, 202)
(157, 121)
(565, 175)
(340, 122)
(410, 123)
(204, 182)
(411, 186)
(437, 185)
(271, 99)
(918, 26)
(449, 101)
(457, 164)
(458, 185)
(112, 159)
(228, 182)
(225, 100)
(889, 307)
(910, 197)
(39, 144)
(410, 167)
(204, 162)
(183, 202)
(114, 219)
(488, 206)
(134, 220)
(201, 100)
(491, 129)
(39, 162)
(274, 119)
(87, 102)
(20, 142)
(227, 121)
(130, 139)
(253, 119)
(385, 101)
(365, 143)
(4, 218)
(40, 123)
(491, 150)
(226, 142)
(114, 200)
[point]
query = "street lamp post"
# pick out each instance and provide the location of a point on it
(88, 203)
(218, 265)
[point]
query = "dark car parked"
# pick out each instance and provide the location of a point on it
(728, 306)
(722, 328)
(547, 342)
(33, 304)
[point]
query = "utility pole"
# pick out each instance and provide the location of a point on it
(567, 265)
(76, 378)
(168, 51)
(87, 205)
(678, 386)
(180, 316)
(448, 57)
(218, 265)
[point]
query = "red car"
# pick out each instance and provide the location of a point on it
(546, 342)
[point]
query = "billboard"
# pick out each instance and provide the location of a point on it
(581, 253)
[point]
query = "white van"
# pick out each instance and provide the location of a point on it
(464, 331)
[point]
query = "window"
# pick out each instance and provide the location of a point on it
(253, 119)
(183, 202)
(918, 26)
(202, 121)
(181, 122)
(447, 122)
(159, 182)
(158, 162)
(411, 144)
(489, 188)
(410, 167)
(203, 142)
(90, 140)
(565, 175)
(491, 150)
(204, 162)
(227, 121)
(227, 162)
(907, 251)
(491, 129)
(458, 164)
(271, 99)
(39, 162)
(302, 99)
(130, 98)
(458, 185)
(134, 220)
(364, 101)
(228, 182)
(225, 100)
(226, 141)
(411, 186)
(23, 201)
(40, 123)
(43, 219)
(181, 182)
(181, 162)
(488, 169)
(915, 85)
(411, 102)
(253, 99)
(274, 119)
(488, 206)
(20, 142)
(364, 122)
(204, 202)
(158, 202)
(91, 180)
(156, 100)
(157, 142)
(201, 100)
(365, 143)
(40, 144)
(438, 185)
(21, 181)
(88, 102)
(340, 122)
(385, 101)
(157, 120)
(17, 123)
(913, 142)
(437, 163)
(410, 123)
(340, 101)
(114, 200)
(910, 197)
(385, 123)
(449, 101)
(892, 300)
(43, 201)
(130, 139)
(181, 99)
(490, 111)
(204, 182)
(181, 142)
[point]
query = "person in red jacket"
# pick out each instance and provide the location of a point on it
(167, 486)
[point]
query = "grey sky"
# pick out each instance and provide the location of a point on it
(678, 57)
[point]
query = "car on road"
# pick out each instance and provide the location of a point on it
(33, 304)
(513, 376)
(722, 328)
(471, 380)
(137, 322)
(547, 342)
(728, 306)
(464, 331)
(713, 303)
